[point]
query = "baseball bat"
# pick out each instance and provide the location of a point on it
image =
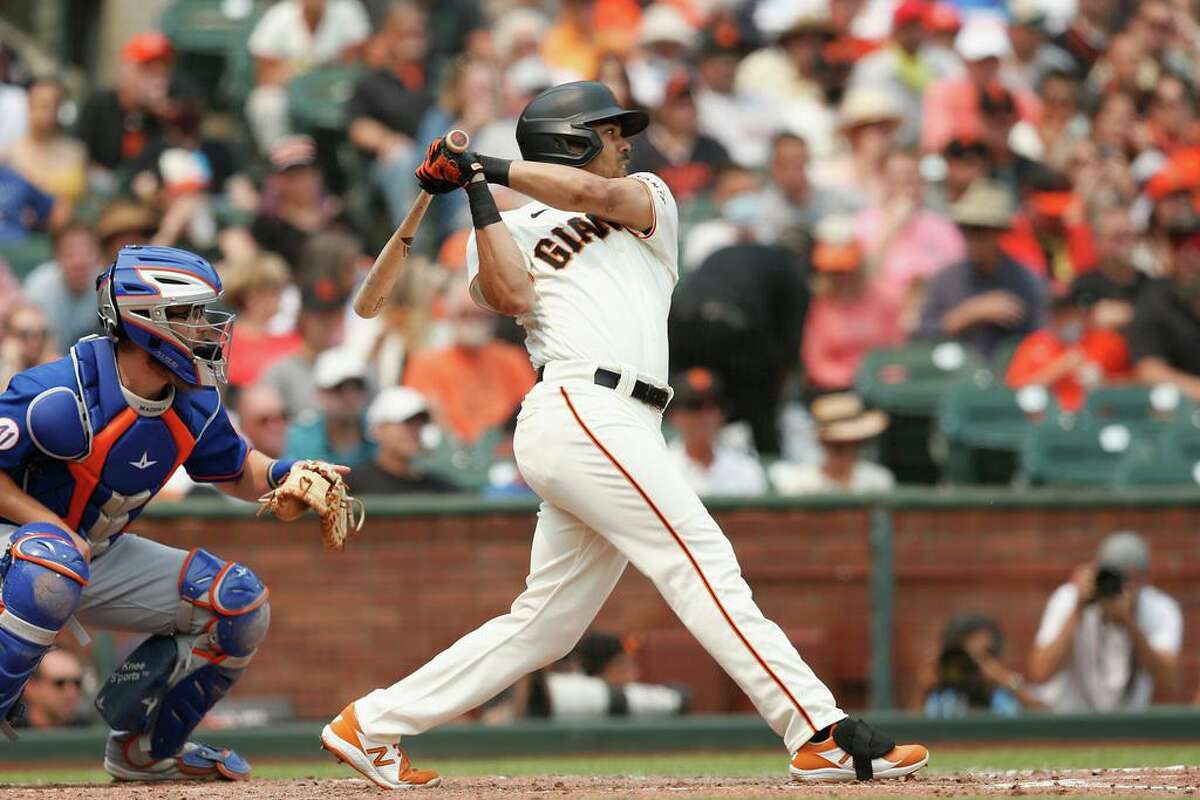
(382, 276)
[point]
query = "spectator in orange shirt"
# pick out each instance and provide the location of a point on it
(477, 382)
(1070, 356)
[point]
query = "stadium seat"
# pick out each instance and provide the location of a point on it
(911, 379)
(985, 424)
(1143, 407)
(467, 465)
(1065, 452)
(206, 38)
(1158, 463)
(317, 99)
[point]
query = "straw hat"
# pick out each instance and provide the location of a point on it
(841, 417)
(864, 105)
(986, 204)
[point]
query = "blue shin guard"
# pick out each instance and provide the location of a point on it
(164, 689)
(43, 576)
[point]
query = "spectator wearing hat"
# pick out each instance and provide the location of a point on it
(742, 122)
(1108, 640)
(1034, 55)
(869, 118)
(1050, 236)
(849, 315)
(786, 71)
(65, 287)
(295, 205)
(942, 23)
(388, 104)
(290, 39)
(965, 161)
(254, 287)
(905, 67)
(987, 298)
(475, 383)
(673, 147)
(1166, 324)
(116, 124)
(697, 415)
(320, 325)
(1115, 283)
(334, 431)
(740, 314)
(952, 106)
(124, 222)
(904, 243)
(843, 426)
(665, 41)
(263, 419)
(395, 420)
(1172, 122)
(1070, 355)
(46, 156)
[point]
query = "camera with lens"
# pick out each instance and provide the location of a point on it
(1109, 582)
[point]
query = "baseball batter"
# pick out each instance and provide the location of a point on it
(85, 443)
(588, 270)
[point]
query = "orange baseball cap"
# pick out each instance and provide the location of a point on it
(1052, 204)
(146, 47)
(845, 257)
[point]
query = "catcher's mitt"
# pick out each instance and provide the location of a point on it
(316, 485)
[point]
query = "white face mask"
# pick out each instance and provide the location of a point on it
(744, 209)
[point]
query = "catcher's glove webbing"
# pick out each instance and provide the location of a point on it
(316, 485)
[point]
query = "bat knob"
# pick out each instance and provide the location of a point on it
(457, 141)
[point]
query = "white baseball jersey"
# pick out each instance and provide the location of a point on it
(602, 291)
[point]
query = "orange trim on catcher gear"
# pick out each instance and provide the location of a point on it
(61, 569)
(87, 472)
(691, 559)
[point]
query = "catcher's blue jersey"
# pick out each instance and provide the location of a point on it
(75, 440)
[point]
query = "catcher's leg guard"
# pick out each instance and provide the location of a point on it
(43, 576)
(167, 685)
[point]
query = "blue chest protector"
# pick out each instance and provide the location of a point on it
(95, 454)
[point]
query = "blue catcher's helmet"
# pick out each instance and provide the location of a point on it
(157, 297)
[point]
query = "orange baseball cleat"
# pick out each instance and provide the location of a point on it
(383, 763)
(855, 751)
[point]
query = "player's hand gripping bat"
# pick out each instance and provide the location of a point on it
(382, 277)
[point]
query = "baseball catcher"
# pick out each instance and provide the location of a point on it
(85, 443)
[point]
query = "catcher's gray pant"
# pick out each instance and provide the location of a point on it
(134, 587)
(612, 496)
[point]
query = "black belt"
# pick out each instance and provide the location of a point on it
(648, 394)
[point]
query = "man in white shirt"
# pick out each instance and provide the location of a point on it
(1108, 640)
(293, 37)
(697, 413)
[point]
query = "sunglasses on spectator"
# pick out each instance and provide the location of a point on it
(28, 333)
(279, 417)
(62, 683)
(699, 405)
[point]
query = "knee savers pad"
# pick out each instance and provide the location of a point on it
(166, 692)
(43, 577)
(235, 595)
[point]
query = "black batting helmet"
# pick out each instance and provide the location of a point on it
(555, 125)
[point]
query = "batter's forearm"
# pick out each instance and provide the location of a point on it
(619, 200)
(22, 509)
(503, 277)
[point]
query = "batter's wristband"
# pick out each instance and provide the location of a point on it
(483, 205)
(495, 169)
(279, 470)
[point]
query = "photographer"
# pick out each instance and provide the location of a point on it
(967, 674)
(1108, 640)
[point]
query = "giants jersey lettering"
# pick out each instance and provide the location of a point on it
(602, 291)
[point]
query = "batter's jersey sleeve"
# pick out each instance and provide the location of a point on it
(663, 234)
(220, 452)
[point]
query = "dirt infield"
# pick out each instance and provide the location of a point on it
(1165, 781)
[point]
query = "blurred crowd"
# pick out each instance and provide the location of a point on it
(1020, 177)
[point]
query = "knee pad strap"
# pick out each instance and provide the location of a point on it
(236, 596)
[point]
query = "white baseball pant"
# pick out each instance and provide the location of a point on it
(611, 495)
